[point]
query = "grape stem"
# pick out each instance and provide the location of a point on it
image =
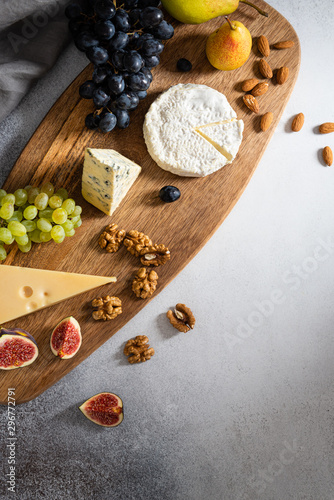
(260, 11)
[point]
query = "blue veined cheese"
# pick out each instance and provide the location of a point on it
(174, 136)
(106, 178)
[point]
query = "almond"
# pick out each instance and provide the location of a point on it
(297, 122)
(260, 89)
(249, 84)
(282, 75)
(326, 128)
(286, 44)
(327, 155)
(265, 69)
(266, 121)
(251, 103)
(263, 46)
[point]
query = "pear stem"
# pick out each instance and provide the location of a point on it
(232, 26)
(260, 11)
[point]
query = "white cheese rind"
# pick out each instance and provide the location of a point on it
(106, 178)
(170, 130)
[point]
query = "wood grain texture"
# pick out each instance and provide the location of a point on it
(55, 153)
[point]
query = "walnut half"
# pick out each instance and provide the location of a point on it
(154, 255)
(107, 308)
(144, 283)
(135, 241)
(181, 318)
(138, 349)
(111, 238)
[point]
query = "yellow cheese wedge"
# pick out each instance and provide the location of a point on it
(25, 290)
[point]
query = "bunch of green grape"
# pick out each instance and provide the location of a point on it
(36, 215)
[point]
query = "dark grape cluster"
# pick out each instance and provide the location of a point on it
(123, 40)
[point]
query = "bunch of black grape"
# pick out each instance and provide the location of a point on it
(123, 40)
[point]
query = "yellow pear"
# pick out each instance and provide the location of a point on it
(229, 47)
(200, 11)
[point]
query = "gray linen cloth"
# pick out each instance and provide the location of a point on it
(32, 35)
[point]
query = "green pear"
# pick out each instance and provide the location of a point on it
(229, 47)
(200, 11)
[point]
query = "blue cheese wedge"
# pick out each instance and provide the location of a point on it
(107, 177)
(191, 130)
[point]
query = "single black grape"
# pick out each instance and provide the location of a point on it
(142, 94)
(164, 31)
(87, 89)
(140, 41)
(134, 99)
(97, 55)
(123, 118)
(123, 101)
(100, 73)
(105, 9)
(85, 41)
(92, 121)
(108, 122)
(116, 84)
(105, 30)
(122, 21)
(168, 194)
(100, 98)
(119, 41)
(133, 61)
(151, 17)
(138, 81)
(147, 73)
(117, 58)
(152, 61)
(73, 10)
(184, 65)
(152, 47)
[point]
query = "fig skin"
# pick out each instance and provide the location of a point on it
(91, 412)
(6, 335)
(58, 351)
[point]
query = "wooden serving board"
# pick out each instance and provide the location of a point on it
(55, 153)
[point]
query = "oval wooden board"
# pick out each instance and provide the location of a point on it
(55, 153)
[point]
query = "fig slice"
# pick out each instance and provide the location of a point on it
(66, 338)
(104, 409)
(17, 348)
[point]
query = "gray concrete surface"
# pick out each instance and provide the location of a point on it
(241, 408)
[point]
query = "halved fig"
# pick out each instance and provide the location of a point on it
(104, 409)
(17, 348)
(66, 338)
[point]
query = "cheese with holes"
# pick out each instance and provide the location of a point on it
(107, 177)
(25, 290)
(176, 135)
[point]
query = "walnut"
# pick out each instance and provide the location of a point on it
(181, 318)
(136, 241)
(138, 349)
(154, 255)
(108, 307)
(144, 283)
(111, 238)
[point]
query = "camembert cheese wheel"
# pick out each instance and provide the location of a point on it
(192, 130)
